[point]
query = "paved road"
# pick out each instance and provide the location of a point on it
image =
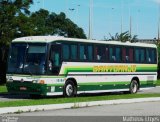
(7, 97)
(134, 109)
(152, 90)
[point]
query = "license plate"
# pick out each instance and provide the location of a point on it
(23, 88)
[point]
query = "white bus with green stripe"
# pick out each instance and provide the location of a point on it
(49, 65)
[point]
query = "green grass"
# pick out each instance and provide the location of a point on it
(158, 82)
(3, 89)
(73, 100)
(53, 100)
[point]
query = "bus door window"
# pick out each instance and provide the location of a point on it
(55, 59)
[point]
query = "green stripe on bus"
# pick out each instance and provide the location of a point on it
(90, 69)
(104, 83)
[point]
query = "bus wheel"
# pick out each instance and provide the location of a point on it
(69, 89)
(133, 87)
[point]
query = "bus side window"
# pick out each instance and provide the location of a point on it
(118, 54)
(137, 55)
(107, 54)
(127, 54)
(130, 55)
(90, 52)
(73, 52)
(153, 56)
(82, 52)
(66, 52)
(112, 57)
(142, 55)
(124, 55)
(148, 58)
(100, 53)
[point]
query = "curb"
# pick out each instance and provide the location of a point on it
(74, 105)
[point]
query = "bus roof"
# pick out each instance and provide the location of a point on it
(49, 39)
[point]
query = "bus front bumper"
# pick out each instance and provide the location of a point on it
(26, 88)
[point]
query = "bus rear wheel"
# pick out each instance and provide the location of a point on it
(70, 89)
(133, 87)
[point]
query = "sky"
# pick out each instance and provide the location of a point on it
(109, 16)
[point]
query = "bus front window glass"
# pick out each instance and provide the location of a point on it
(35, 60)
(27, 59)
(16, 58)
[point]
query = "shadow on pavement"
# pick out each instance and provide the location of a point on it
(23, 96)
(13, 96)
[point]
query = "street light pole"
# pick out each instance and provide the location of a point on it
(159, 25)
(90, 19)
(122, 16)
(130, 26)
(130, 23)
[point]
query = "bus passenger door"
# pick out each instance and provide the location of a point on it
(55, 59)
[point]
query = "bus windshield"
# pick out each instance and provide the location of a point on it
(27, 59)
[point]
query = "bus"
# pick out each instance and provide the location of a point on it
(51, 65)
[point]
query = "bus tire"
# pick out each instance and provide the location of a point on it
(70, 89)
(133, 87)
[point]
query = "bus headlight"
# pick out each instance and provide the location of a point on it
(42, 82)
(35, 81)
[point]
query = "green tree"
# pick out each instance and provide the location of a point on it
(55, 24)
(123, 37)
(158, 50)
(17, 21)
(9, 11)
